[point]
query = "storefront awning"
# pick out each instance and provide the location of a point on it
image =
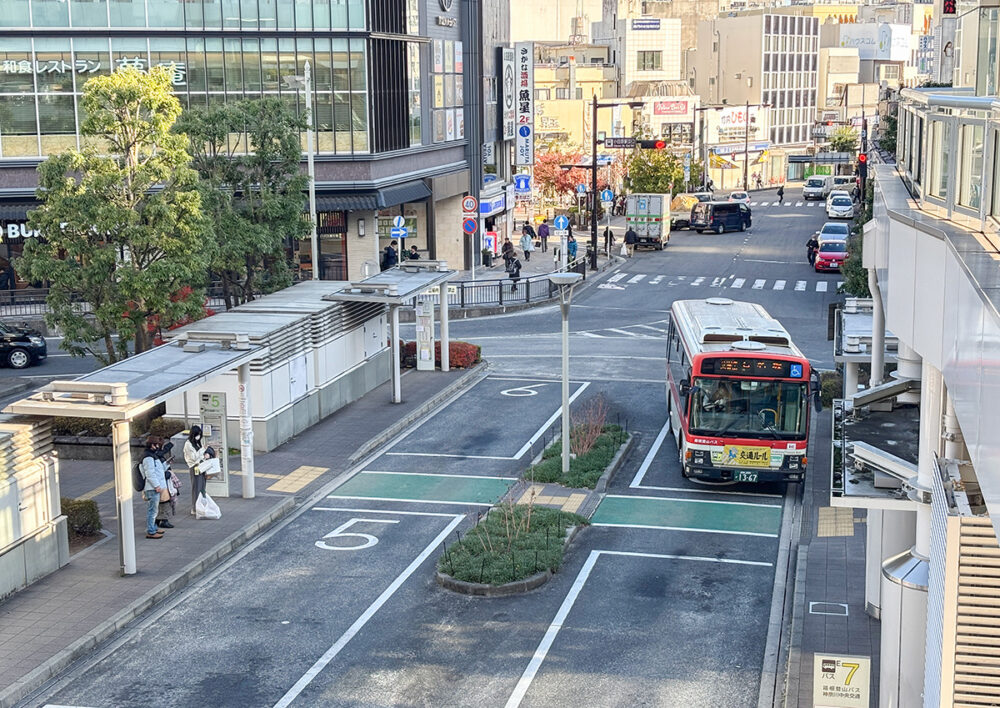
(405, 193)
(12, 211)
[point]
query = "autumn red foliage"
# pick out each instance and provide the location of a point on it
(462, 355)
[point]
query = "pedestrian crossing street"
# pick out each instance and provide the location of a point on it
(623, 280)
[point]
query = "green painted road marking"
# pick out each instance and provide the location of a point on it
(429, 488)
(687, 514)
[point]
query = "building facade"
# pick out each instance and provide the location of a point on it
(390, 81)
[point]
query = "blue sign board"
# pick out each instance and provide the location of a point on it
(469, 225)
(795, 371)
(398, 233)
(524, 131)
(399, 222)
(488, 206)
(561, 222)
(607, 195)
(581, 189)
(522, 184)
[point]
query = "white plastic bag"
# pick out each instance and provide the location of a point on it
(206, 508)
(624, 250)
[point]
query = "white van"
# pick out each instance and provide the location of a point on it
(844, 182)
(817, 187)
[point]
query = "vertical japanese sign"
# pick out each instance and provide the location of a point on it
(524, 146)
(212, 411)
(508, 93)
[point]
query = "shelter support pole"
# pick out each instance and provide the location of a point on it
(445, 342)
(120, 435)
(246, 432)
(397, 396)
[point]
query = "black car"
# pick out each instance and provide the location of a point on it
(20, 347)
(720, 216)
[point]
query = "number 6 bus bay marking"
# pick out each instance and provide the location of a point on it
(339, 532)
(521, 391)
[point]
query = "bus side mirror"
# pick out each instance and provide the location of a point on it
(817, 401)
(684, 388)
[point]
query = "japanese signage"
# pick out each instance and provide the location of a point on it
(730, 124)
(670, 108)
(841, 681)
(619, 142)
(212, 411)
(645, 24)
(508, 94)
(524, 147)
(876, 42)
(88, 66)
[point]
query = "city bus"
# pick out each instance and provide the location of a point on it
(738, 393)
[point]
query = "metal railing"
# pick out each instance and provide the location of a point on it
(31, 302)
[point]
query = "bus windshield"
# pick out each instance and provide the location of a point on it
(748, 408)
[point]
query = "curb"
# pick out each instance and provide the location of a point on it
(605, 479)
(467, 380)
(514, 588)
(20, 386)
(406, 315)
(18, 690)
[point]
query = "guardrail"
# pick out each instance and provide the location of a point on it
(31, 302)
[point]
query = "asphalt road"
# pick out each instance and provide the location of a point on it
(664, 600)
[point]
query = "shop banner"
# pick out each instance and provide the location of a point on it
(524, 147)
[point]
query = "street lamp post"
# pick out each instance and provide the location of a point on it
(565, 282)
(305, 83)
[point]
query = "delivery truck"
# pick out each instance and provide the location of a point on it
(649, 216)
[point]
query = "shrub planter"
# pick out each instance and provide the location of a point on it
(586, 470)
(74, 447)
(512, 588)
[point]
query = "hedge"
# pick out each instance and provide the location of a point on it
(494, 553)
(462, 355)
(585, 469)
(82, 516)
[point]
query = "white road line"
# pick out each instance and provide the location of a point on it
(361, 621)
(648, 459)
(738, 283)
(625, 332)
(656, 280)
(697, 281)
(521, 689)
(788, 205)
(753, 203)
(407, 501)
(636, 278)
(717, 282)
(800, 285)
(552, 419)
(798, 204)
(779, 285)
(696, 490)
(840, 284)
(655, 329)
(821, 286)
(436, 474)
(691, 501)
(616, 277)
(811, 204)
(590, 334)
(758, 285)
(381, 511)
(450, 455)
(764, 203)
(686, 528)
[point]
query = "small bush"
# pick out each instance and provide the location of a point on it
(585, 469)
(91, 427)
(831, 386)
(513, 542)
(461, 355)
(165, 427)
(82, 516)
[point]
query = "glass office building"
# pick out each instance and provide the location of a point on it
(388, 80)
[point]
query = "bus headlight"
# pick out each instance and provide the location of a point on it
(700, 457)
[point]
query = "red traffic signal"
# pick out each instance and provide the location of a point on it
(862, 158)
(653, 144)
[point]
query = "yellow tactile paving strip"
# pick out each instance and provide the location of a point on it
(297, 479)
(834, 521)
(534, 494)
(264, 475)
(99, 490)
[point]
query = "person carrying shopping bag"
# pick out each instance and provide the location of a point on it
(194, 455)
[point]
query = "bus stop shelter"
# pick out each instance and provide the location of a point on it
(399, 286)
(129, 388)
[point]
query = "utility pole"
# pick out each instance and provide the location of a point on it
(746, 148)
(863, 161)
(593, 184)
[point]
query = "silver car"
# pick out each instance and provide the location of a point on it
(840, 207)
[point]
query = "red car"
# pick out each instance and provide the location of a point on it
(831, 255)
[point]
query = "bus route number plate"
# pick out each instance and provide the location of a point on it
(748, 456)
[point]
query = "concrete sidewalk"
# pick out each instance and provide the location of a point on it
(64, 616)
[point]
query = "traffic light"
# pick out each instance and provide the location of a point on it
(653, 144)
(863, 166)
(862, 158)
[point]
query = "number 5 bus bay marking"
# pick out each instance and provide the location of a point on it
(339, 532)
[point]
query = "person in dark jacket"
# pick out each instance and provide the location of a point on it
(781, 194)
(812, 245)
(631, 238)
(507, 251)
(391, 256)
(543, 234)
(414, 254)
(514, 271)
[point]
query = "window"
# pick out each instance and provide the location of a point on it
(649, 61)
(970, 170)
(940, 159)
(986, 67)
(890, 71)
(996, 175)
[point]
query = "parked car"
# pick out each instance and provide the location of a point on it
(741, 197)
(833, 230)
(846, 182)
(817, 187)
(720, 216)
(830, 255)
(837, 193)
(840, 208)
(21, 346)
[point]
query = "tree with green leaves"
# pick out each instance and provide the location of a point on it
(853, 270)
(255, 198)
(887, 131)
(125, 247)
(659, 172)
(844, 139)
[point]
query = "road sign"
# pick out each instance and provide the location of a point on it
(687, 161)
(561, 222)
(522, 184)
(619, 142)
(469, 225)
(470, 205)
(399, 222)
(581, 189)
(397, 232)
(607, 195)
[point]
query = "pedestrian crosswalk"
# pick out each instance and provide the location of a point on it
(787, 204)
(641, 280)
